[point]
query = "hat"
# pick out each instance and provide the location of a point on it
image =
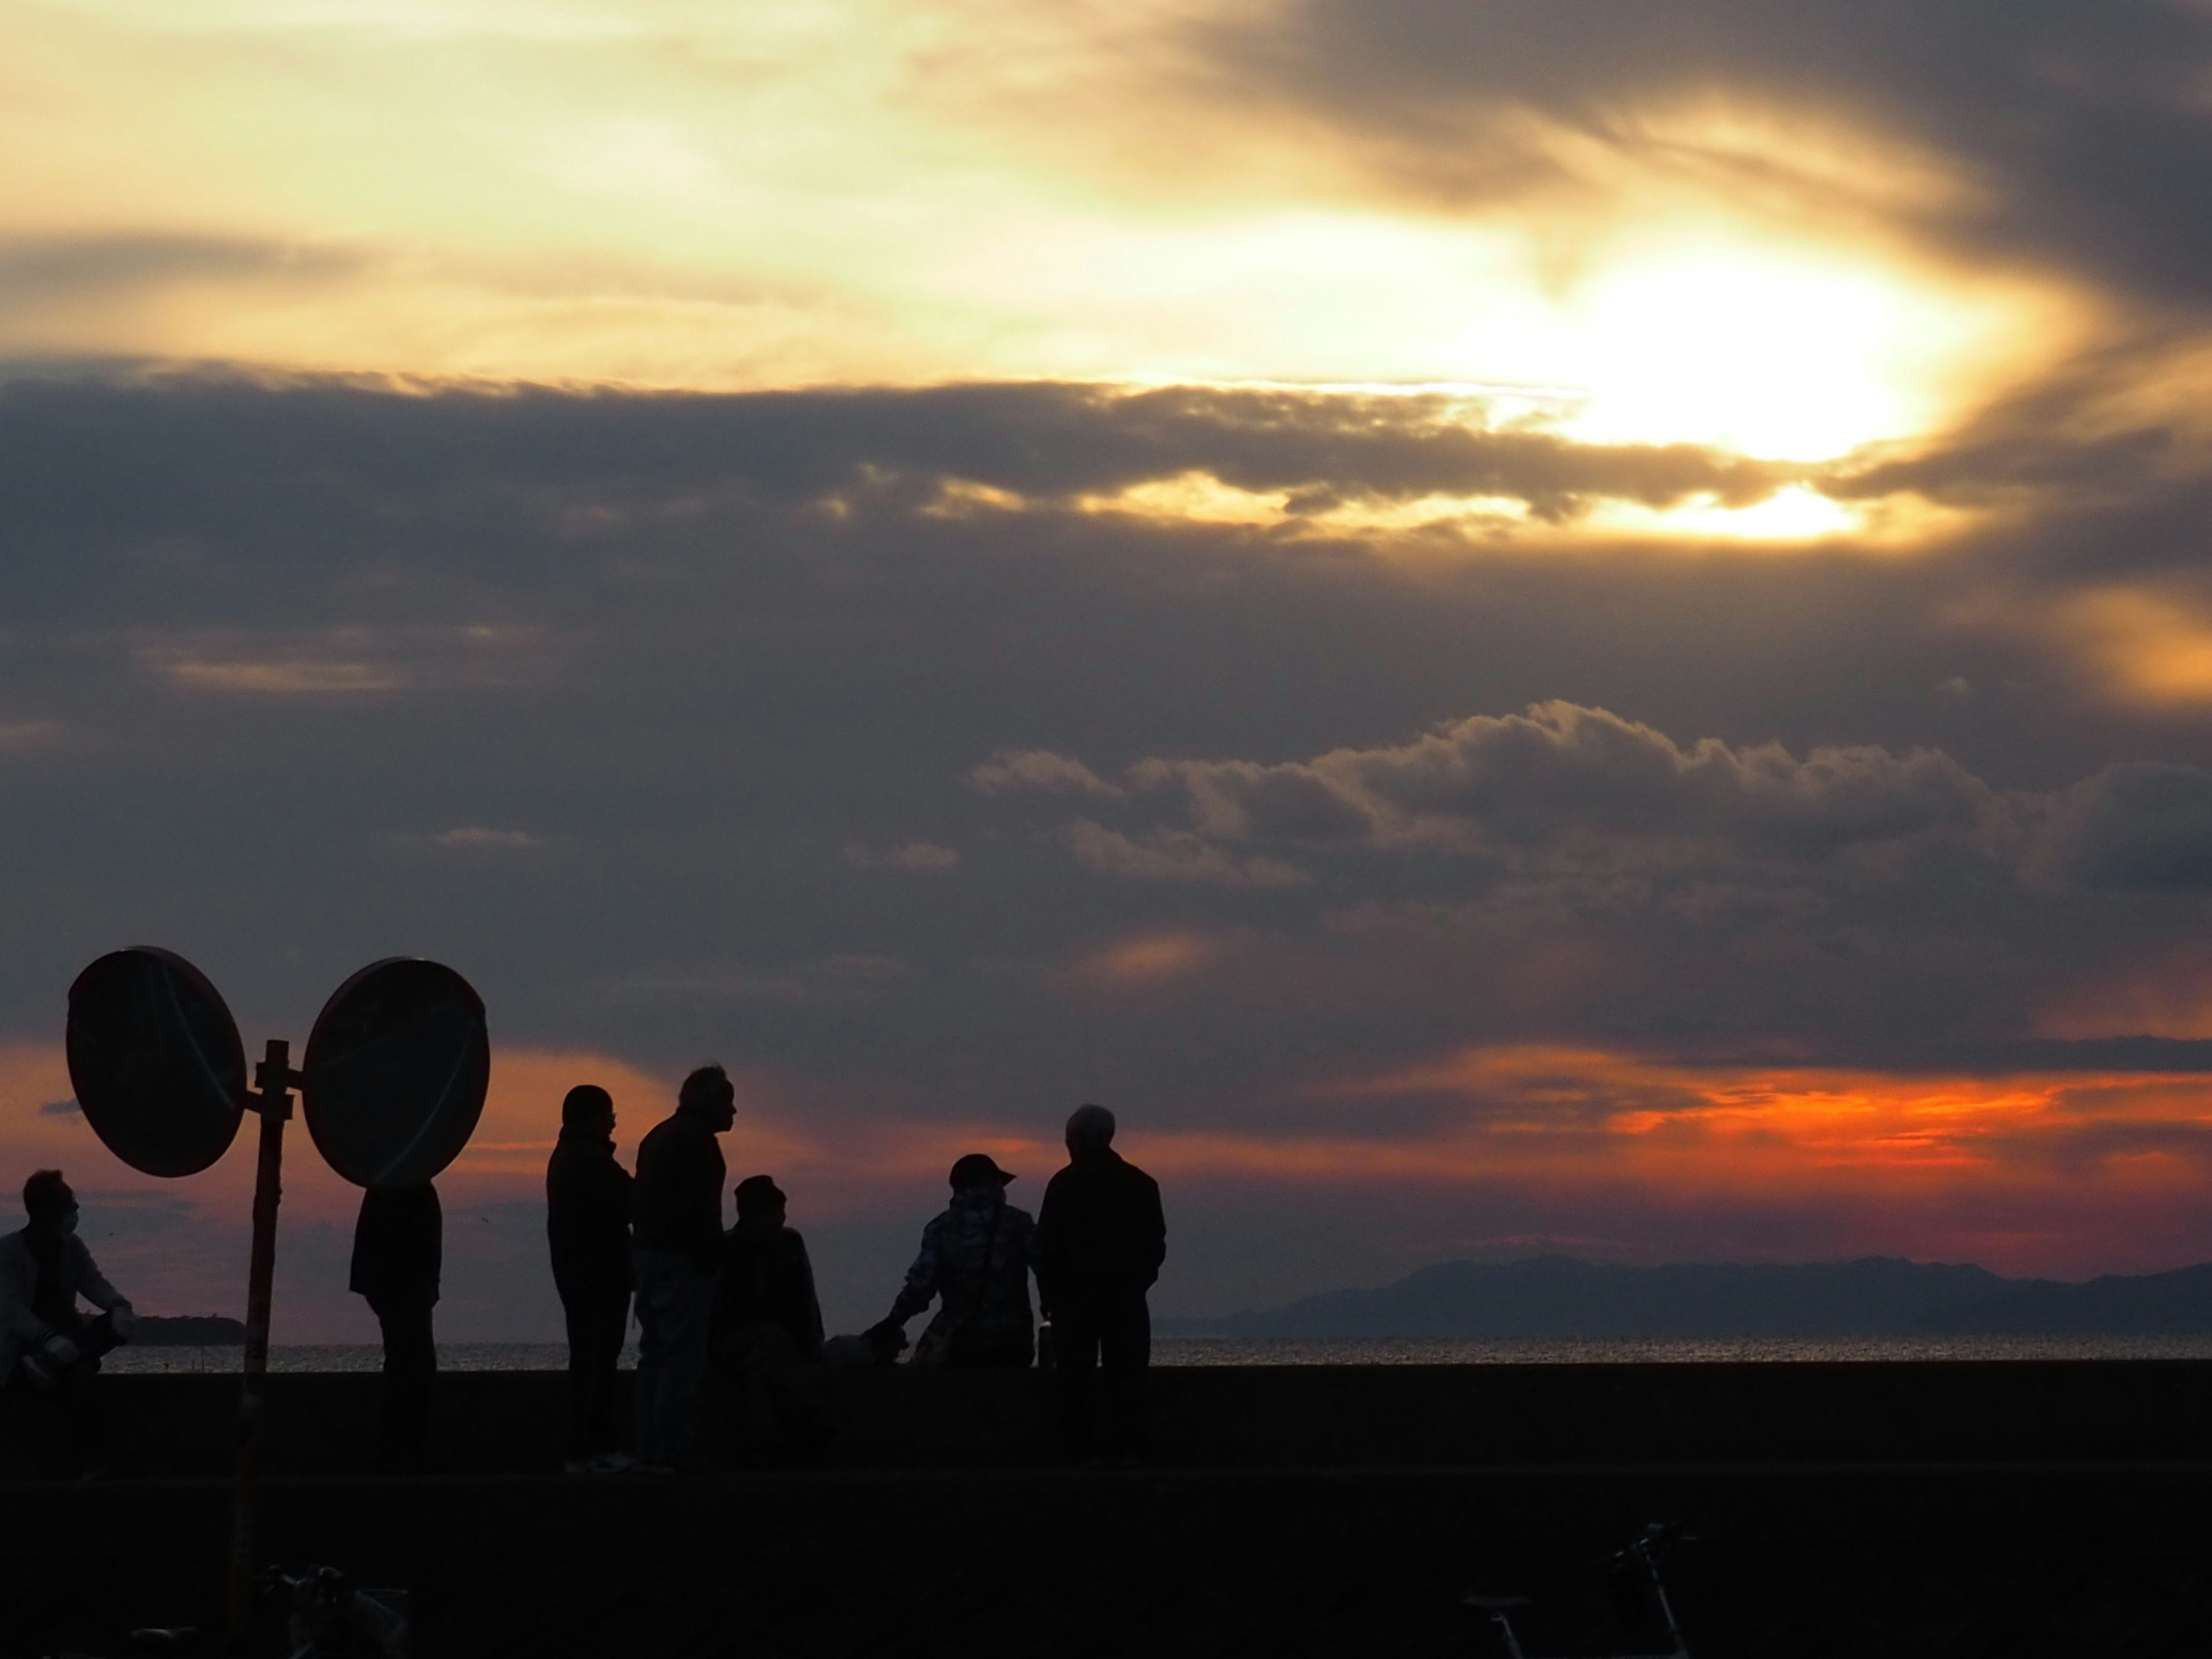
(756, 1195)
(974, 1169)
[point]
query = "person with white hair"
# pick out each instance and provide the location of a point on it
(1101, 1239)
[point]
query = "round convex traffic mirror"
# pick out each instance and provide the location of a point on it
(395, 1072)
(156, 1061)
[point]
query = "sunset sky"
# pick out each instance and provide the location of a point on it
(1513, 627)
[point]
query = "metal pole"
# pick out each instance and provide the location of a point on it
(273, 1081)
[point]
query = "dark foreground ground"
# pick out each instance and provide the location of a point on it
(1878, 1509)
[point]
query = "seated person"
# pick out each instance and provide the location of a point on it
(977, 1256)
(767, 1332)
(46, 1343)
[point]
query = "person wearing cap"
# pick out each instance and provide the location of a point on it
(1101, 1239)
(47, 1343)
(587, 1230)
(768, 1331)
(975, 1261)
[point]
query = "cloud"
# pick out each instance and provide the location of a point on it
(2078, 137)
(473, 837)
(1039, 768)
(1562, 778)
(60, 1108)
(47, 269)
(915, 858)
(2142, 828)
(1174, 855)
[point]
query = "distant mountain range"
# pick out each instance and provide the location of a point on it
(1557, 1295)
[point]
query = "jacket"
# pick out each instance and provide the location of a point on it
(21, 1327)
(1101, 1234)
(588, 1200)
(766, 1279)
(398, 1244)
(676, 1204)
(977, 1256)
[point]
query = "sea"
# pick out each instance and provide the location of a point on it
(1310, 1351)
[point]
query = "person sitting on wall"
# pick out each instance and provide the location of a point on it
(976, 1256)
(768, 1331)
(47, 1343)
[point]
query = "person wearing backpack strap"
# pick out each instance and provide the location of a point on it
(974, 1262)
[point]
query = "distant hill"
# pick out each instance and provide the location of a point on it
(188, 1331)
(1557, 1295)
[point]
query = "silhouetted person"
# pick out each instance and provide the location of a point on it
(768, 1330)
(1100, 1238)
(397, 1245)
(676, 1239)
(47, 1343)
(588, 1205)
(976, 1256)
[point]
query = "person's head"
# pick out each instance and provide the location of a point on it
(48, 1202)
(977, 1172)
(588, 1109)
(760, 1202)
(1089, 1130)
(709, 1095)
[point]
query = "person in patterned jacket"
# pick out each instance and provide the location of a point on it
(975, 1262)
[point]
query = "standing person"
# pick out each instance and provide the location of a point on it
(46, 1343)
(768, 1330)
(1101, 1239)
(587, 1201)
(676, 1241)
(398, 1244)
(976, 1256)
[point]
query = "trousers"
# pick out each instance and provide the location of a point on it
(599, 1317)
(674, 1306)
(1109, 1336)
(410, 1377)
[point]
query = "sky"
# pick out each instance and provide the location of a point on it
(1512, 628)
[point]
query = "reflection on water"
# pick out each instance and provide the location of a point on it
(1308, 1350)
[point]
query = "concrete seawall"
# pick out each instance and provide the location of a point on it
(1840, 1509)
(1264, 1417)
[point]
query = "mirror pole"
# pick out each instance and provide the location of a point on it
(274, 1080)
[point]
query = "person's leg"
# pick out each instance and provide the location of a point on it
(612, 1324)
(1125, 1352)
(578, 1314)
(652, 1357)
(1075, 1360)
(688, 1319)
(411, 1372)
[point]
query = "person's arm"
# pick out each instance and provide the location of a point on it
(91, 1284)
(1156, 1233)
(1040, 1260)
(810, 1343)
(921, 1278)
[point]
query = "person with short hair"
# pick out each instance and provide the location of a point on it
(399, 1251)
(47, 1343)
(588, 1203)
(1101, 1239)
(676, 1240)
(768, 1331)
(976, 1259)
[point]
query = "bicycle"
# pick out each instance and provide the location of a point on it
(1642, 1554)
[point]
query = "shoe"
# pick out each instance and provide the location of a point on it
(581, 1466)
(612, 1462)
(652, 1468)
